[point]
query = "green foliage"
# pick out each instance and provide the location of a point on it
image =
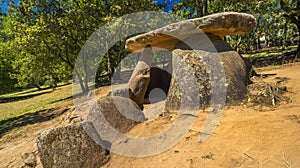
(275, 26)
(291, 11)
(7, 52)
(7, 84)
(50, 35)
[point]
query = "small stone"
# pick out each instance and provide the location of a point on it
(29, 159)
(283, 88)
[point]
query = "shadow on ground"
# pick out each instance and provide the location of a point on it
(59, 100)
(23, 95)
(280, 59)
(30, 118)
(17, 98)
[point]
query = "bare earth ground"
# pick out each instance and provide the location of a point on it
(246, 137)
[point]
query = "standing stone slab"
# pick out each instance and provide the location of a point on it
(186, 61)
(140, 78)
(216, 55)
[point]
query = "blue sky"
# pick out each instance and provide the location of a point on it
(4, 5)
(169, 2)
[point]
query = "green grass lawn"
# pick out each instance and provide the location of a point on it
(31, 100)
(266, 52)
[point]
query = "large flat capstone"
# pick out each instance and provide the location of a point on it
(219, 24)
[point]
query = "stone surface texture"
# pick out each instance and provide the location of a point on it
(29, 159)
(70, 146)
(121, 113)
(219, 24)
(217, 59)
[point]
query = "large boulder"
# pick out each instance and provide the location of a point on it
(120, 113)
(70, 146)
(198, 60)
(81, 144)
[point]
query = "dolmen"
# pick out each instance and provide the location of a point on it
(204, 69)
(197, 47)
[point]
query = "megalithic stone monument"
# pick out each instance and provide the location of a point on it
(198, 42)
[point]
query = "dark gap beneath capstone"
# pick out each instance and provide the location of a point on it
(158, 87)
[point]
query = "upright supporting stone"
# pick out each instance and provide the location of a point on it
(202, 57)
(140, 78)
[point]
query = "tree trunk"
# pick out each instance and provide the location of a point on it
(86, 75)
(198, 9)
(274, 39)
(37, 86)
(285, 28)
(258, 42)
(84, 88)
(257, 29)
(298, 49)
(204, 7)
(117, 74)
(254, 44)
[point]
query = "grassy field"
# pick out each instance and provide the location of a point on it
(272, 56)
(31, 100)
(267, 52)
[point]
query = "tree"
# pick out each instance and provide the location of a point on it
(7, 83)
(291, 11)
(59, 29)
(190, 8)
(270, 25)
